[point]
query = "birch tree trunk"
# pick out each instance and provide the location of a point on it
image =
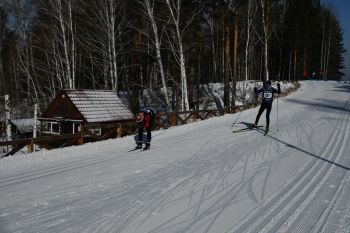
(107, 22)
(327, 55)
(265, 6)
(227, 60)
(290, 65)
(62, 22)
(322, 45)
(73, 52)
(235, 60)
(210, 22)
(295, 64)
(249, 22)
(2, 80)
(149, 9)
(3, 22)
(174, 8)
(8, 118)
(112, 40)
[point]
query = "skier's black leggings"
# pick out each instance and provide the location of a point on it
(149, 135)
(264, 106)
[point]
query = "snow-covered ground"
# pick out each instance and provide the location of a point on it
(196, 178)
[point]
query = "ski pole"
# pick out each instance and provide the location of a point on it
(236, 119)
(277, 113)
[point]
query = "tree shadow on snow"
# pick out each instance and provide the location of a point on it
(307, 152)
(2, 226)
(323, 104)
(343, 88)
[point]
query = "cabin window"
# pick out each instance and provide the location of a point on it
(54, 127)
(96, 131)
(75, 128)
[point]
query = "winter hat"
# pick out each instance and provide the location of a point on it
(139, 117)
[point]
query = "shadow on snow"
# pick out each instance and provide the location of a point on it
(308, 153)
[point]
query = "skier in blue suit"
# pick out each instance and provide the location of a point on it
(266, 103)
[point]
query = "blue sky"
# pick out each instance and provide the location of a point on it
(342, 9)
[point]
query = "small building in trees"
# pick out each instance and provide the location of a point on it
(73, 110)
(22, 128)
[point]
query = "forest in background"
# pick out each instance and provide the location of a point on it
(170, 47)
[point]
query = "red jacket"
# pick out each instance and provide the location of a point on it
(147, 121)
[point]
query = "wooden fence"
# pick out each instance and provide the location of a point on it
(162, 121)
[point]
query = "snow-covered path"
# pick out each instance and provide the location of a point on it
(196, 178)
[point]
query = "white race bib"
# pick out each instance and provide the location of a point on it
(267, 95)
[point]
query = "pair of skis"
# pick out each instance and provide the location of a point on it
(139, 149)
(249, 129)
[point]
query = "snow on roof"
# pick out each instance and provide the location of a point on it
(23, 125)
(99, 106)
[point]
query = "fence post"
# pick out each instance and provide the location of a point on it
(173, 120)
(120, 131)
(30, 146)
(194, 116)
(81, 139)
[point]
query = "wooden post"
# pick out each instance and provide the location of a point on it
(31, 147)
(173, 120)
(81, 139)
(194, 117)
(120, 131)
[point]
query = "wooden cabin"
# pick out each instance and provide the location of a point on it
(22, 128)
(73, 109)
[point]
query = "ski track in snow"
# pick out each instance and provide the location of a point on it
(196, 178)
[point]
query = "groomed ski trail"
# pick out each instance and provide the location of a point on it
(197, 178)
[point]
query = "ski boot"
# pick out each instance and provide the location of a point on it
(148, 146)
(139, 145)
(266, 130)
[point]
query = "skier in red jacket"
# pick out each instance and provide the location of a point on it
(145, 120)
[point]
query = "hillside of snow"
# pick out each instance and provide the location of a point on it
(197, 178)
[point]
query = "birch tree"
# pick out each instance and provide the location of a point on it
(227, 58)
(265, 9)
(62, 34)
(282, 12)
(107, 24)
(250, 19)
(208, 17)
(174, 8)
(148, 8)
(3, 25)
(25, 62)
